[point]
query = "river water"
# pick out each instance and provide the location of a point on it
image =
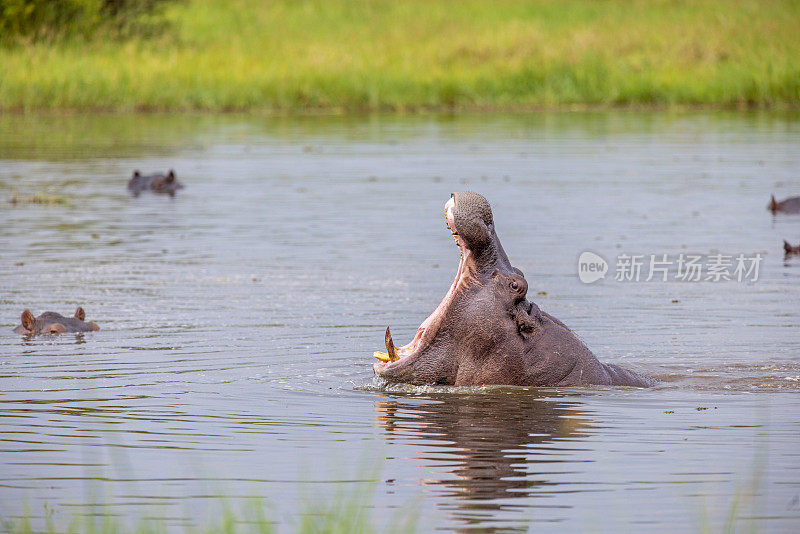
(238, 321)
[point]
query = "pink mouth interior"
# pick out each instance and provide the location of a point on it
(427, 330)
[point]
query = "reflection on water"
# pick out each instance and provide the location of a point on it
(238, 319)
(515, 460)
(483, 450)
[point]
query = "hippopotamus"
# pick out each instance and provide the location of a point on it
(790, 249)
(485, 330)
(788, 205)
(55, 323)
(157, 183)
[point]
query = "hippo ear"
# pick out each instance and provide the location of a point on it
(786, 246)
(28, 320)
(136, 173)
(80, 314)
(527, 324)
(171, 176)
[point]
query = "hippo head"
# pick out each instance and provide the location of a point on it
(54, 323)
(166, 184)
(484, 316)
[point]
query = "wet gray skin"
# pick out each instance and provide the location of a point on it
(485, 331)
(157, 183)
(787, 205)
(54, 323)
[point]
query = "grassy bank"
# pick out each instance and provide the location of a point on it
(340, 55)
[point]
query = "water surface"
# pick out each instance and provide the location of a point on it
(238, 319)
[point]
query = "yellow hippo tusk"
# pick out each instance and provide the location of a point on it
(382, 356)
(390, 346)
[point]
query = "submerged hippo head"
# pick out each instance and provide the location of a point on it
(157, 183)
(54, 323)
(787, 205)
(165, 184)
(485, 331)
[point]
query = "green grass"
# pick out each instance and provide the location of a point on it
(344, 508)
(352, 56)
(37, 198)
(348, 512)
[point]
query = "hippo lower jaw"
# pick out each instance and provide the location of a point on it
(428, 329)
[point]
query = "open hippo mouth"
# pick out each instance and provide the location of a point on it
(429, 357)
(430, 326)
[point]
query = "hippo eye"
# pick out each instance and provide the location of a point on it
(514, 286)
